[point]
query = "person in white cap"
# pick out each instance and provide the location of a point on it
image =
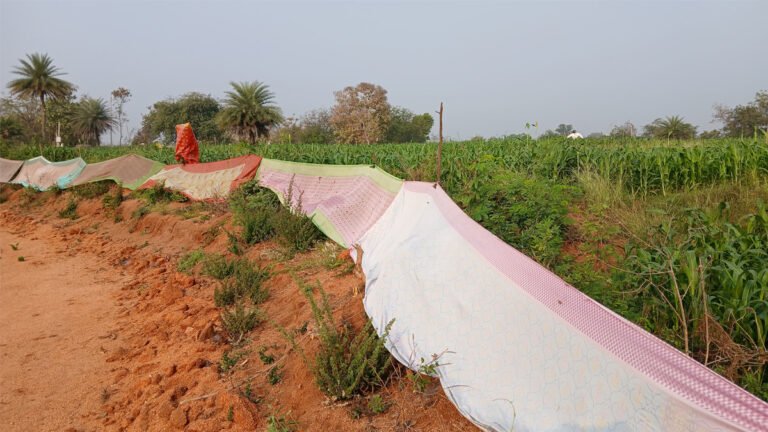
(575, 135)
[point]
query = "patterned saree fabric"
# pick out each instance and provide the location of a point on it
(8, 169)
(344, 201)
(131, 171)
(41, 174)
(212, 180)
(516, 347)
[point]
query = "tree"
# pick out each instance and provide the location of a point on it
(39, 80)
(198, 109)
(10, 129)
(672, 127)
(249, 111)
(744, 120)
(714, 133)
(404, 126)
(25, 112)
(626, 130)
(564, 129)
(121, 96)
(91, 118)
(361, 114)
(549, 133)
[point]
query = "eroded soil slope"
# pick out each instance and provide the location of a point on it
(100, 331)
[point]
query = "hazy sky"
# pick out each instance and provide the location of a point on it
(496, 65)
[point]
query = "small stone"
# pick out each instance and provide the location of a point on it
(171, 371)
(206, 332)
(179, 417)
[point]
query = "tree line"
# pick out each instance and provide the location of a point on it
(42, 105)
(740, 121)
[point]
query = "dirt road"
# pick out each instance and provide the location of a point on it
(55, 317)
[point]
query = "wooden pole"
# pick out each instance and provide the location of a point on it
(440, 147)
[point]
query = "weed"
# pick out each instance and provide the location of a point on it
(265, 358)
(112, 201)
(70, 211)
(92, 190)
(211, 233)
(244, 280)
(420, 379)
(190, 260)
(275, 375)
(254, 209)
(238, 321)
(229, 360)
(157, 193)
(294, 230)
(140, 212)
(277, 422)
(218, 267)
(15, 246)
(377, 405)
(234, 243)
(231, 413)
(21, 259)
(348, 362)
(249, 394)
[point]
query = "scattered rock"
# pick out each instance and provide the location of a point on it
(179, 417)
(206, 332)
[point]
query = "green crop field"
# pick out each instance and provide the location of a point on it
(673, 235)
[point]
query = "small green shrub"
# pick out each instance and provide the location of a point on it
(20, 259)
(377, 405)
(158, 193)
(92, 190)
(245, 280)
(190, 260)
(277, 422)
(140, 212)
(70, 211)
(249, 394)
(239, 320)
(254, 208)
(275, 375)
(233, 243)
(265, 358)
(229, 359)
(348, 363)
(218, 267)
(112, 201)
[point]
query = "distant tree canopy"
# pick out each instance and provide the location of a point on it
(91, 118)
(199, 109)
(564, 129)
(249, 111)
(744, 120)
(672, 127)
(314, 127)
(405, 126)
(361, 114)
(39, 79)
(626, 130)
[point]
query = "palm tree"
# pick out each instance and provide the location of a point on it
(91, 118)
(39, 80)
(672, 127)
(248, 111)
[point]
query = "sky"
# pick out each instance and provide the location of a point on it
(496, 65)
